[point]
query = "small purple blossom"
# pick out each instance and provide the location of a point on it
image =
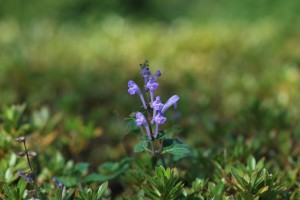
(156, 105)
(157, 74)
(159, 119)
(152, 85)
(59, 184)
(141, 120)
(171, 101)
(134, 88)
(145, 73)
(27, 177)
(20, 173)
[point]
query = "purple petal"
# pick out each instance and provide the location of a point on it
(157, 104)
(20, 173)
(60, 185)
(54, 179)
(152, 85)
(133, 87)
(172, 101)
(160, 119)
(29, 179)
(145, 72)
(157, 74)
(140, 119)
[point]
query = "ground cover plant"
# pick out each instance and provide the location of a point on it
(163, 167)
(81, 119)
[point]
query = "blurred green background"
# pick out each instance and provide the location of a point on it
(235, 65)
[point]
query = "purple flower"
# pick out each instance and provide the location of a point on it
(157, 74)
(171, 101)
(156, 105)
(159, 119)
(27, 177)
(134, 88)
(141, 120)
(145, 73)
(152, 85)
(20, 173)
(59, 184)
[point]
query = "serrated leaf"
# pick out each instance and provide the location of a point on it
(178, 150)
(140, 147)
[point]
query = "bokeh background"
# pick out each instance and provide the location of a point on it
(235, 64)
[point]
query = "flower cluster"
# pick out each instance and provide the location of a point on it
(157, 107)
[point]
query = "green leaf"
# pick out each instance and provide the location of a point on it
(251, 163)
(262, 190)
(94, 177)
(69, 181)
(240, 180)
(8, 174)
(108, 171)
(82, 167)
(178, 150)
(140, 147)
(21, 187)
(101, 190)
(219, 189)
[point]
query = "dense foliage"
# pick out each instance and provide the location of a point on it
(64, 70)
